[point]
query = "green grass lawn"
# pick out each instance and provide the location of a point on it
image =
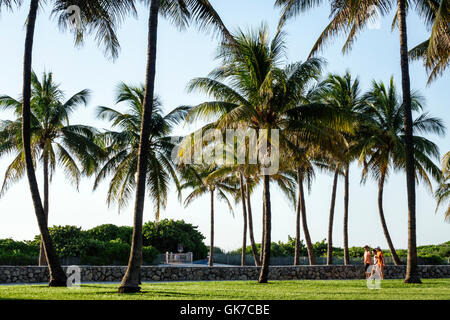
(241, 290)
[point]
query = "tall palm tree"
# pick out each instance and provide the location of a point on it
(336, 170)
(383, 142)
(250, 89)
(442, 193)
(53, 139)
(99, 17)
(343, 92)
(305, 173)
(236, 172)
(350, 17)
(122, 149)
(199, 180)
(249, 185)
(435, 51)
(180, 12)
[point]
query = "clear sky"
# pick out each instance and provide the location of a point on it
(188, 54)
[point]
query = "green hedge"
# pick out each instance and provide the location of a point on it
(107, 244)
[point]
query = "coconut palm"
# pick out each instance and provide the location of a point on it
(94, 16)
(249, 185)
(328, 140)
(240, 173)
(180, 12)
(199, 180)
(435, 50)
(122, 149)
(383, 142)
(350, 17)
(442, 193)
(305, 174)
(250, 89)
(53, 140)
(343, 92)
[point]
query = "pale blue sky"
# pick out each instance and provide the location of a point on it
(188, 54)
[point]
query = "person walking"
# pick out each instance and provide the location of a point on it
(375, 262)
(367, 260)
(380, 262)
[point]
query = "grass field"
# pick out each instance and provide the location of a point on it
(241, 290)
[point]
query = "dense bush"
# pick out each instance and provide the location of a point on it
(18, 252)
(168, 234)
(281, 249)
(10, 246)
(430, 259)
(102, 245)
(108, 232)
(69, 241)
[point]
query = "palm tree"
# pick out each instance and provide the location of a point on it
(442, 193)
(53, 139)
(331, 215)
(249, 184)
(199, 180)
(305, 173)
(383, 142)
(122, 148)
(99, 17)
(179, 12)
(350, 17)
(260, 95)
(344, 93)
(435, 50)
(235, 173)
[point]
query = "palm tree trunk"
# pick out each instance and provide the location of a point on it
(211, 243)
(412, 275)
(130, 281)
(346, 197)
(264, 275)
(331, 218)
(42, 257)
(297, 224)
(250, 227)
(244, 214)
(309, 247)
(383, 221)
(57, 275)
(261, 253)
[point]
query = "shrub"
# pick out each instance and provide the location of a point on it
(17, 259)
(149, 254)
(69, 241)
(10, 246)
(109, 232)
(167, 234)
(430, 259)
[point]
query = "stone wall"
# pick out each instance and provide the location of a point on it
(34, 274)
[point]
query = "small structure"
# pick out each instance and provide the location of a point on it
(175, 258)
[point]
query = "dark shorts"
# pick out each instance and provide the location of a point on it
(366, 266)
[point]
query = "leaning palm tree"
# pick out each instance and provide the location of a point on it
(53, 140)
(180, 12)
(350, 17)
(94, 16)
(442, 193)
(198, 179)
(252, 91)
(122, 148)
(383, 142)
